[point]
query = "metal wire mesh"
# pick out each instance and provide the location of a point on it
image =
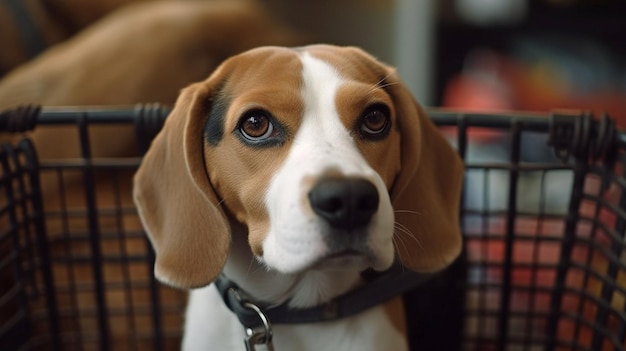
(543, 217)
(544, 233)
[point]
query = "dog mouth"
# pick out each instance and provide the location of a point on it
(345, 259)
(347, 253)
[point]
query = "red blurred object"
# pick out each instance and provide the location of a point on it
(494, 81)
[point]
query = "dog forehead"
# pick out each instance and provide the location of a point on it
(279, 66)
(267, 68)
(351, 63)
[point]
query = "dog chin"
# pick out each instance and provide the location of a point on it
(343, 261)
(350, 255)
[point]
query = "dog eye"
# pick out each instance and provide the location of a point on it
(375, 121)
(256, 125)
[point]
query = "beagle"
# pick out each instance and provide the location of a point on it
(290, 172)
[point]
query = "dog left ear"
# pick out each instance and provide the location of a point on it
(177, 205)
(426, 194)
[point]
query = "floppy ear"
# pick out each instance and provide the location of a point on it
(176, 203)
(426, 194)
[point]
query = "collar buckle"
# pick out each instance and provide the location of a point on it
(260, 335)
(257, 333)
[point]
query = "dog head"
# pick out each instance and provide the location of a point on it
(321, 152)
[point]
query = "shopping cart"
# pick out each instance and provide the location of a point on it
(543, 216)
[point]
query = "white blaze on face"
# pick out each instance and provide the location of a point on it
(297, 238)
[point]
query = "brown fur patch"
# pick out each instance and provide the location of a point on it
(267, 79)
(395, 310)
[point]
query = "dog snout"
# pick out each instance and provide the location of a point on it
(345, 203)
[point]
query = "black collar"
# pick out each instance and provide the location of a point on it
(379, 288)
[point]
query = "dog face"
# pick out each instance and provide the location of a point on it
(313, 150)
(295, 129)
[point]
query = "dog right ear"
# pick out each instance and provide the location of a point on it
(176, 202)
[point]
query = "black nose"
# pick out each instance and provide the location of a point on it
(345, 203)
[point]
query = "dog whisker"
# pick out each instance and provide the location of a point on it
(388, 85)
(380, 85)
(404, 230)
(252, 268)
(408, 211)
(397, 241)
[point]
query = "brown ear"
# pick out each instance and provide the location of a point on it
(176, 203)
(426, 194)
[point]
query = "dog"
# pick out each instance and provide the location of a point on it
(29, 27)
(290, 171)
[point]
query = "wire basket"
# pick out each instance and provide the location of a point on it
(543, 217)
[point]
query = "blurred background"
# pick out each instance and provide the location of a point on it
(469, 54)
(486, 54)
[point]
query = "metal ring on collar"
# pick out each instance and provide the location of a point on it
(266, 322)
